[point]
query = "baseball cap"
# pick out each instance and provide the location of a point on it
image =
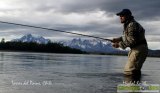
(124, 12)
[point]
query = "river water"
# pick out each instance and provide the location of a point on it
(22, 72)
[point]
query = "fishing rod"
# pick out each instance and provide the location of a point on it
(55, 30)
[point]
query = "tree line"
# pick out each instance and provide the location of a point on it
(36, 47)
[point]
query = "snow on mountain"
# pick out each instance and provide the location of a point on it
(31, 38)
(94, 45)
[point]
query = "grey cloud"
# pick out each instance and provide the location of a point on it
(145, 10)
(141, 8)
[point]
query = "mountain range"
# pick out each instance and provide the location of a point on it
(88, 45)
(31, 38)
(93, 45)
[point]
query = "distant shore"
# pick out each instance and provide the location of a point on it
(86, 53)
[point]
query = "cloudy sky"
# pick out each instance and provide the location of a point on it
(91, 17)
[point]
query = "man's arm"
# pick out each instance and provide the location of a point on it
(116, 40)
(130, 39)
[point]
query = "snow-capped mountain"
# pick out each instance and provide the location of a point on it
(31, 38)
(94, 45)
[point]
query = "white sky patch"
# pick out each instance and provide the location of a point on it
(153, 38)
(5, 4)
(154, 45)
(152, 27)
(84, 33)
(9, 37)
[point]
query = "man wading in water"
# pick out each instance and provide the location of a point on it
(133, 37)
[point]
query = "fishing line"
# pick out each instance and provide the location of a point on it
(54, 30)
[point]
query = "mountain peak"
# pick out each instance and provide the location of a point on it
(31, 38)
(28, 35)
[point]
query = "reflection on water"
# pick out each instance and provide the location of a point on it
(67, 73)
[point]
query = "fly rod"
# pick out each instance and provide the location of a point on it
(55, 30)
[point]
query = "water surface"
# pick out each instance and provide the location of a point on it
(22, 72)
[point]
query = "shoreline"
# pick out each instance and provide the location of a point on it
(75, 53)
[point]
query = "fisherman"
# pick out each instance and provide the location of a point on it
(133, 37)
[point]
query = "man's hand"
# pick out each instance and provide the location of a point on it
(115, 40)
(115, 45)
